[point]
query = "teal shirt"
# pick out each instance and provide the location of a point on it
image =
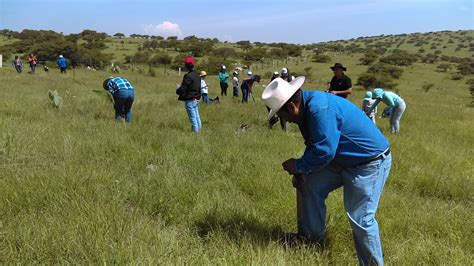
(223, 77)
(389, 98)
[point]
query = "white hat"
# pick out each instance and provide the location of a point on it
(203, 73)
(60, 56)
(278, 92)
(250, 73)
(223, 67)
(275, 73)
(284, 70)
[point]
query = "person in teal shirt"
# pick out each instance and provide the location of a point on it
(393, 100)
(223, 76)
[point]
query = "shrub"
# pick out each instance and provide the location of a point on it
(321, 58)
(367, 79)
(399, 58)
(456, 76)
(386, 70)
(369, 58)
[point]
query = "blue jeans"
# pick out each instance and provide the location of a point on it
(192, 108)
(245, 95)
(205, 97)
(363, 185)
(123, 100)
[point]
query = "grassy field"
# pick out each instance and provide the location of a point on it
(76, 187)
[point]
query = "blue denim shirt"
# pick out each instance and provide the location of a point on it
(335, 130)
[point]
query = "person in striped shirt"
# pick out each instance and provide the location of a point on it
(124, 95)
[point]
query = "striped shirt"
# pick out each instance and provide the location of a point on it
(118, 83)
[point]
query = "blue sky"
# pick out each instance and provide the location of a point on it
(292, 21)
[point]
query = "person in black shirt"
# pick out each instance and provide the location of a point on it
(340, 85)
(190, 92)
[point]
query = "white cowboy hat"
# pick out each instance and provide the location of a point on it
(278, 92)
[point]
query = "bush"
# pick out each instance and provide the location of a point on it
(456, 76)
(386, 70)
(399, 58)
(161, 59)
(367, 79)
(369, 58)
(321, 58)
(443, 67)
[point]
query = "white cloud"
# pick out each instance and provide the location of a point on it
(164, 29)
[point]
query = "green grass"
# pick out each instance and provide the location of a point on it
(75, 187)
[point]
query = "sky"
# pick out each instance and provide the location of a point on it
(291, 21)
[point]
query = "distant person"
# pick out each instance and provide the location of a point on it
(33, 62)
(17, 64)
(343, 149)
(204, 87)
(235, 84)
(190, 92)
(223, 76)
(340, 85)
(46, 68)
(286, 75)
(123, 94)
(392, 100)
(275, 75)
(247, 85)
(367, 104)
(62, 63)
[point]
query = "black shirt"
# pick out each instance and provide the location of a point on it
(190, 87)
(340, 84)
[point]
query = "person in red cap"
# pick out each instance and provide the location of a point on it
(190, 92)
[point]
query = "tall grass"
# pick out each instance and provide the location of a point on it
(76, 187)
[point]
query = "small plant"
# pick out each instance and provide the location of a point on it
(456, 76)
(428, 86)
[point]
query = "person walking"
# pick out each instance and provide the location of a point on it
(33, 62)
(190, 92)
(340, 85)
(17, 64)
(62, 64)
(343, 149)
(223, 76)
(235, 84)
(367, 104)
(124, 95)
(392, 100)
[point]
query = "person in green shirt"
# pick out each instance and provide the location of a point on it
(393, 100)
(223, 76)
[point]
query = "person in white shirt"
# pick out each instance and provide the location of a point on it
(367, 104)
(204, 87)
(235, 84)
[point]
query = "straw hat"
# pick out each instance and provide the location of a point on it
(278, 92)
(202, 73)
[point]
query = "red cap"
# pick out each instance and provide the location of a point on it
(189, 60)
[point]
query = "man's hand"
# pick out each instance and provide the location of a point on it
(290, 166)
(333, 92)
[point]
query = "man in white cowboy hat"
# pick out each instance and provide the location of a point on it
(343, 149)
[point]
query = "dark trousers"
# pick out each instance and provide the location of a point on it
(224, 87)
(236, 91)
(245, 95)
(63, 69)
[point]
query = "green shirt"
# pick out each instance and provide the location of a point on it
(223, 77)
